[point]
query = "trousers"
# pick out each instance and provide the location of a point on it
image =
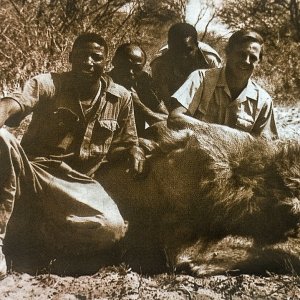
(76, 209)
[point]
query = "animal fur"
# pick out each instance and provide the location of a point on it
(215, 199)
(209, 183)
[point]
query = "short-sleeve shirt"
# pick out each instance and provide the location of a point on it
(168, 78)
(206, 96)
(61, 128)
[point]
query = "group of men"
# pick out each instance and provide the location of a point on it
(86, 117)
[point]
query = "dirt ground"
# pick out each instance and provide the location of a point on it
(120, 282)
(288, 120)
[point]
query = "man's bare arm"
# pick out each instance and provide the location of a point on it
(179, 117)
(162, 108)
(151, 116)
(8, 108)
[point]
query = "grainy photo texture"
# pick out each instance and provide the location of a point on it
(149, 149)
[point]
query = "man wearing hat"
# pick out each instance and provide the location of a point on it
(227, 95)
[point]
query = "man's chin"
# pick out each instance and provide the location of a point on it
(240, 72)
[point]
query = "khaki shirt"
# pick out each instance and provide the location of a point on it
(167, 77)
(206, 96)
(62, 128)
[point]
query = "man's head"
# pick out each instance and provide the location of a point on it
(129, 61)
(183, 44)
(88, 56)
(244, 51)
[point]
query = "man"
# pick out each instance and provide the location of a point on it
(227, 95)
(183, 56)
(80, 119)
(129, 61)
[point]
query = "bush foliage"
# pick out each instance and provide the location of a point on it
(36, 35)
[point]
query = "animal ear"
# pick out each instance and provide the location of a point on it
(175, 140)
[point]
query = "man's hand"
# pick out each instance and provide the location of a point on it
(158, 117)
(138, 162)
(179, 118)
(150, 116)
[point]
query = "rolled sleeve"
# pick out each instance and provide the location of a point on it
(189, 94)
(36, 88)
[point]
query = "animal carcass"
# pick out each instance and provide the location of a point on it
(208, 183)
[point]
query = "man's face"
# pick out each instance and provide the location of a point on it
(88, 61)
(242, 59)
(185, 52)
(131, 65)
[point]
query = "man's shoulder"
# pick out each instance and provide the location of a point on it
(51, 75)
(47, 84)
(206, 74)
(44, 77)
(262, 93)
(116, 89)
(52, 78)
(161, 59)
(208, 49)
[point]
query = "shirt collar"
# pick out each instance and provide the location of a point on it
(110, 87)
(222, 78)
(251, 90)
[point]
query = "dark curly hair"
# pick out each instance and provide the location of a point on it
(90, 37)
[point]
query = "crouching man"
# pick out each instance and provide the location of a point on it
(80, 120)
(227, 95)
(129, 61)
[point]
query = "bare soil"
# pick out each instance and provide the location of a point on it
(120, 282)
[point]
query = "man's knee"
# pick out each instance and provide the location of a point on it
(101, 230)
(116, 227)
(111, 220)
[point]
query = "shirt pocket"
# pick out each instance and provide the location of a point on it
(102, 136)
(59, 129)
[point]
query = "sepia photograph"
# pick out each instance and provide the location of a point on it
(149, 149)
